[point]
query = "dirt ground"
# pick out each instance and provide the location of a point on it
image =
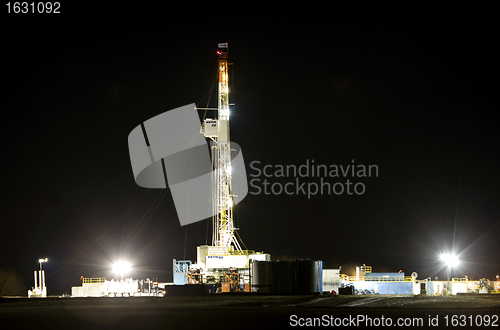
(227, 311)
(418, 301)
(375, 301)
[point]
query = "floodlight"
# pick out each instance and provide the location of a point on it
(449, 259)
(122, 267)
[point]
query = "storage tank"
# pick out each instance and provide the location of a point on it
(284, 280)
(319, 270)
(261, 276)
(309, 276)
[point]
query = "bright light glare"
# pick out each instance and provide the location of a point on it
(121, 267)
(449, 259)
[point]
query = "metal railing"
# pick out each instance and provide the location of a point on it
(390, 279)
(94, 280)
(375, 279)
(235, 252)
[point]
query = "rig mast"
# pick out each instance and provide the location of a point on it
(218, 131)
(223, 260)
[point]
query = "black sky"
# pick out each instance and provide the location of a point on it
(412, 91)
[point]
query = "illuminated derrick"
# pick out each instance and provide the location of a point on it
(218, 131)
(225, 255)
(224, 261)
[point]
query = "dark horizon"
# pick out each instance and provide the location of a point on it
(414, 95)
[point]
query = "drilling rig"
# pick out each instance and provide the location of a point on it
(222, 197)
(224, 259)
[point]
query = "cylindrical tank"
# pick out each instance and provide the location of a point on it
(309, 276)
(304, 276)
(284, 280)
(261, 276)
(318, 269)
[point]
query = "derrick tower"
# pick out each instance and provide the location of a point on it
(217, 130)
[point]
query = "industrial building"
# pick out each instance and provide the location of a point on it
(100, 287)
(282, 277)
(367, 282)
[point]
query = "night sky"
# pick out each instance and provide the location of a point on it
(414, 92)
